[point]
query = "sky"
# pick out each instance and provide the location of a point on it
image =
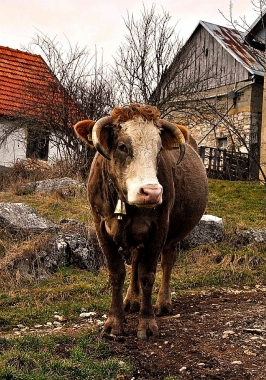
(99, 23)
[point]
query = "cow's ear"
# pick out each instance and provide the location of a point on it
(83, 130)
(169, 140)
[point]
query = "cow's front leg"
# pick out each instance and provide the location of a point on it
(117, 273)
(163, 304)
(147, 323)
(132, 299)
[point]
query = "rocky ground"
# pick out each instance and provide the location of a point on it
(211, 335)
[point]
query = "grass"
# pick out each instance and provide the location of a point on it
(78, 355)
(59, 357)
(240, 204)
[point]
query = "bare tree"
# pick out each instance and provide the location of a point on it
(150, 46)
(76, 86)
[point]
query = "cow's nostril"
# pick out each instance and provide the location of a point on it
(151, 194)
(143, 192)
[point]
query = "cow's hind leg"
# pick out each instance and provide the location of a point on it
(132, 299)
(163, 304)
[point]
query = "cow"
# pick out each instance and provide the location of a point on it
(147, 189)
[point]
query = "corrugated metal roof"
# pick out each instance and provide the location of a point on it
(233, 42)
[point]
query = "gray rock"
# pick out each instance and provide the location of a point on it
(67, 186)
(210, 229)
(57, 251)
(250, 236)
(4, 169)
(19, 219)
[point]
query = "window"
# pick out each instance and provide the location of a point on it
(37, 144)
(222, 142)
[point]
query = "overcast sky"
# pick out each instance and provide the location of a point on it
(100, 22)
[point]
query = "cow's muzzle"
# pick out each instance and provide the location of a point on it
(147, 196)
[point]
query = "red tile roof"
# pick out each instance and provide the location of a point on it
(22, 75)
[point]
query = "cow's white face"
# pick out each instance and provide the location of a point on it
(131, 150)
(135, 162)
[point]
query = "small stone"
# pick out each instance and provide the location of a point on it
(182, 369)
(99, 323)
(61, 318)
(201, 364)
(37, 326)
(87, 314)
(254, 331)
(249, 353)
(226, 333)
(238, 362)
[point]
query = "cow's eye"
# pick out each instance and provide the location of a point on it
(122, 148)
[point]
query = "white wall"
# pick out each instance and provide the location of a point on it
(13, 149)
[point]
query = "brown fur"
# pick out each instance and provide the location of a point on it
(83, 129)
(123, 114)
(144, 233)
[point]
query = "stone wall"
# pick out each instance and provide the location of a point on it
(241, 106)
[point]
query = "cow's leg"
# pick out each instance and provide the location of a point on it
(132, 299)
(147, 323)
(117, 274)
(163, 304)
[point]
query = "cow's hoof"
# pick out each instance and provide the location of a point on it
(113, 327)
(163, 309)
(146, 328)
(131, 306)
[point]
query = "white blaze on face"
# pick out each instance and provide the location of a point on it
(141, 177)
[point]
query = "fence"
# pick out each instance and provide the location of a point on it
(223, 164)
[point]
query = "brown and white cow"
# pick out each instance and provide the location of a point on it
(147, 189)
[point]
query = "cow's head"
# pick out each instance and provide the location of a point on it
(131, 140)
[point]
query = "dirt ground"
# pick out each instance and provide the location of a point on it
(212, 335)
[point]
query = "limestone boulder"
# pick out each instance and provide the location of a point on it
(209, 230)
(66, 185)
(20, 220)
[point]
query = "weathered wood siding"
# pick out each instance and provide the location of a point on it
(206, 63)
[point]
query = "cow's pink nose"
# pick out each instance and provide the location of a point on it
(151, 194)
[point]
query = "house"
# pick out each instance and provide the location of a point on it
(256, 37)
(218, 78)
(33, 107)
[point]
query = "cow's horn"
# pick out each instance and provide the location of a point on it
(96, 131)
(178, 135)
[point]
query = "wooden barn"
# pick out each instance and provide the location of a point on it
(217, 91)
(33, 104)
